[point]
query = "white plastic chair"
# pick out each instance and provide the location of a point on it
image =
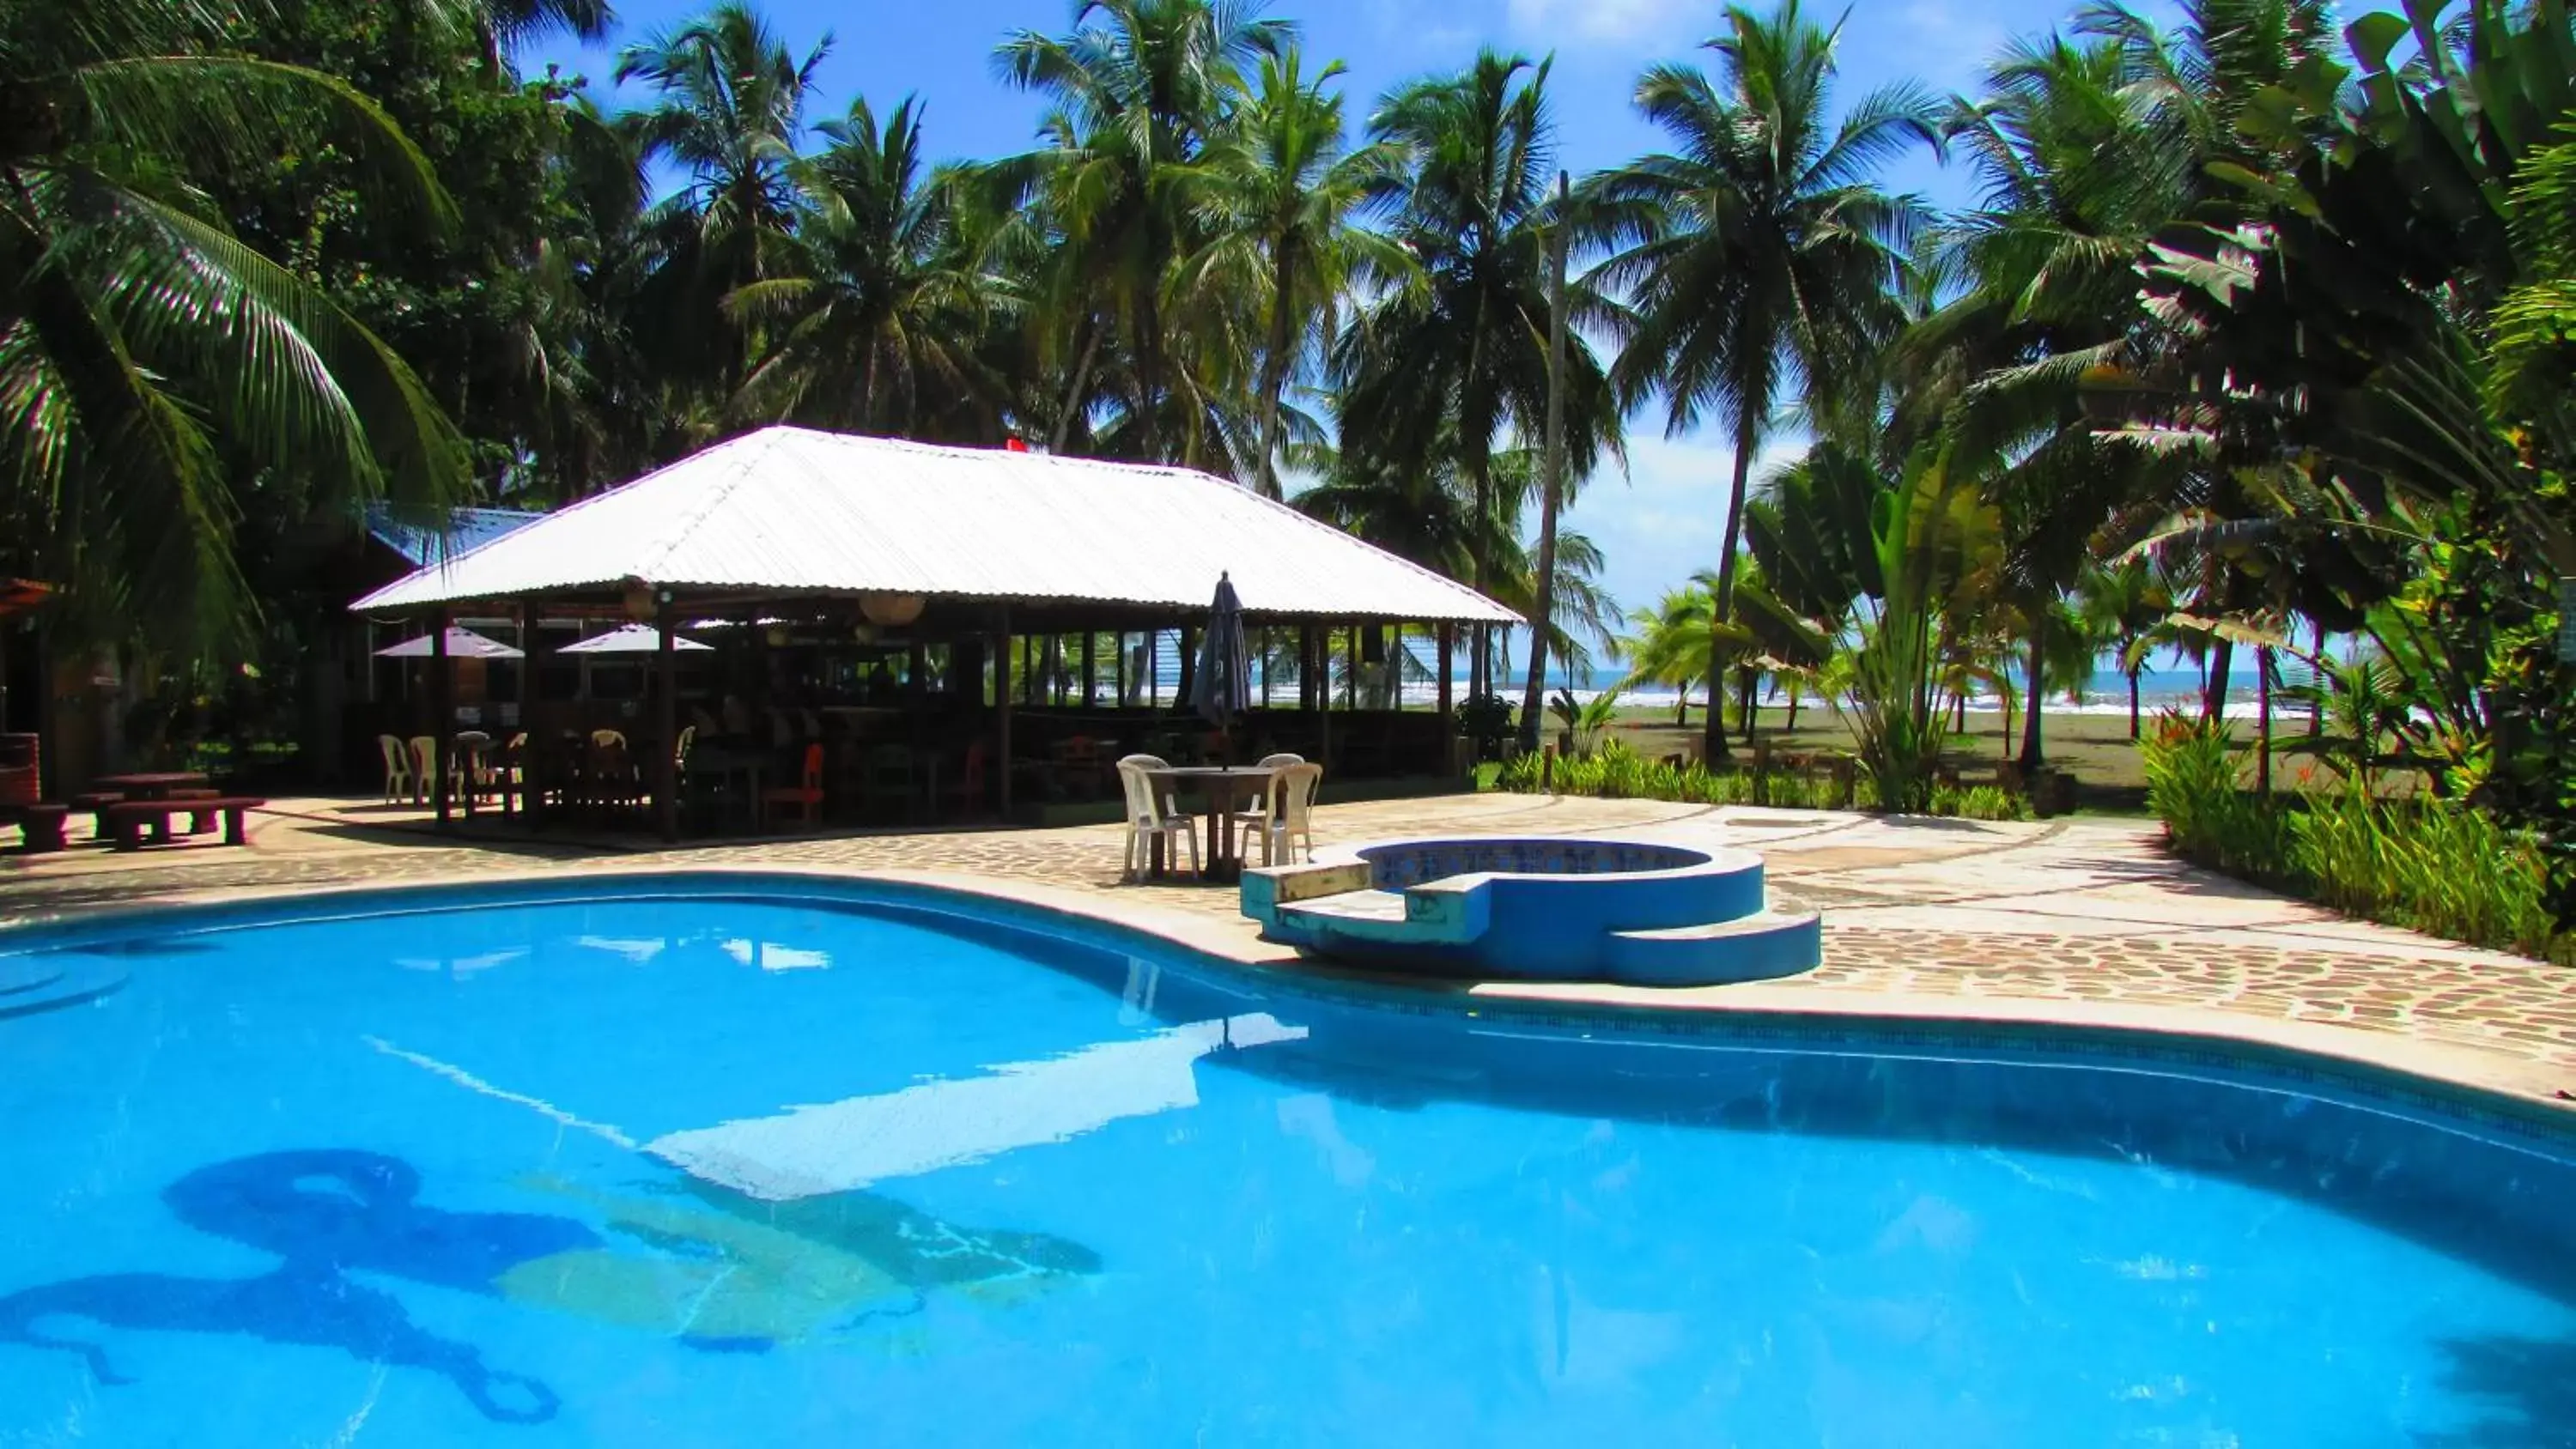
(472, 766)
(424, 768)
(398, 776)
(1257, 812)
(1171, 803)
(1149, 818)
(1292, 815)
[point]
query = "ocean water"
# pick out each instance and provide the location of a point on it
(2105, 691)
(727, 1170)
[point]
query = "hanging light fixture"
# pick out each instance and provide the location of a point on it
(894, 611)
(643, 600)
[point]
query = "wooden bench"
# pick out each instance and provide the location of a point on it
(203, 820)
(40, 826)
(94, 805)
(125, 823)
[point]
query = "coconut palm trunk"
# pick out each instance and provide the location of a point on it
(2031, 758)
(1722, 599)
(2213, 693)
(1074, 390)
(1551, 486)
(1274, 373)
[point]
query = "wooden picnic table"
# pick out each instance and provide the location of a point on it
(151, 785)
(1220, 791)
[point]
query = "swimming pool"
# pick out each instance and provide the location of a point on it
(751, 1161)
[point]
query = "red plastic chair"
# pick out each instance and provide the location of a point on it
(806, 796)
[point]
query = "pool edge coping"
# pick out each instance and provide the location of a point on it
(2440, 1075)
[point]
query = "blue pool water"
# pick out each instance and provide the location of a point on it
(725, 1171)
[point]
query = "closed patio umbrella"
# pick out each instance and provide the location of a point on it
(1224, 684)
(633, 639)
(461, 644)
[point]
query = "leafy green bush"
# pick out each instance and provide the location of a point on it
(1980, 802)
(2192, 771)
(1617, 772)
(2434, 865)
(1486, 719)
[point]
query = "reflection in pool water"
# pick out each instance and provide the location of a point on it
(326, 1213)
(707, 1266)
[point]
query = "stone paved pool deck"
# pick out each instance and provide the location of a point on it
(2082, 921)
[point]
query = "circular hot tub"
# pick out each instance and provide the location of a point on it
(1538, 908)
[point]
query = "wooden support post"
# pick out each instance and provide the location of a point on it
(1121, 647)
(1308, 694)
(1351, 680)
(666, 708)
(532, 793)
(1189, 671)
(1395, 661)
(442, 728)
(1002, 716)
(1090, 675)
(1448, 701)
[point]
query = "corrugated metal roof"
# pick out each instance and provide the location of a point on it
(793, 511)
(467, 529)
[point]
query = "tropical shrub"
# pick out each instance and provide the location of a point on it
(1980, 802)
(1936, 543)
(2192, 771)
(2433, 865)
(1583, 722)
(2428, 864)
(1486, 719)
(1621, 773)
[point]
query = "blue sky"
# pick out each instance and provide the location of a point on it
(1665, 518)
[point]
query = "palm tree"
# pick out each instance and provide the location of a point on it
(1425, 515)
(2122, 606)
(506, 25)
(729, 113)
(155, 372)
(1138, 92)
(1670, 645)
(1582, 615)
(876, 328)
(1759, 254)
(1280, 191)
(1439, 368)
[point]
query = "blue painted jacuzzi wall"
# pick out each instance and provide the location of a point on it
(1552, 904)
(1521, 906)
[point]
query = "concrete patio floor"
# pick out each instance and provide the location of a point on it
(2083, 920)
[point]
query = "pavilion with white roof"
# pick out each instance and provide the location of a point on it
(952, 563)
